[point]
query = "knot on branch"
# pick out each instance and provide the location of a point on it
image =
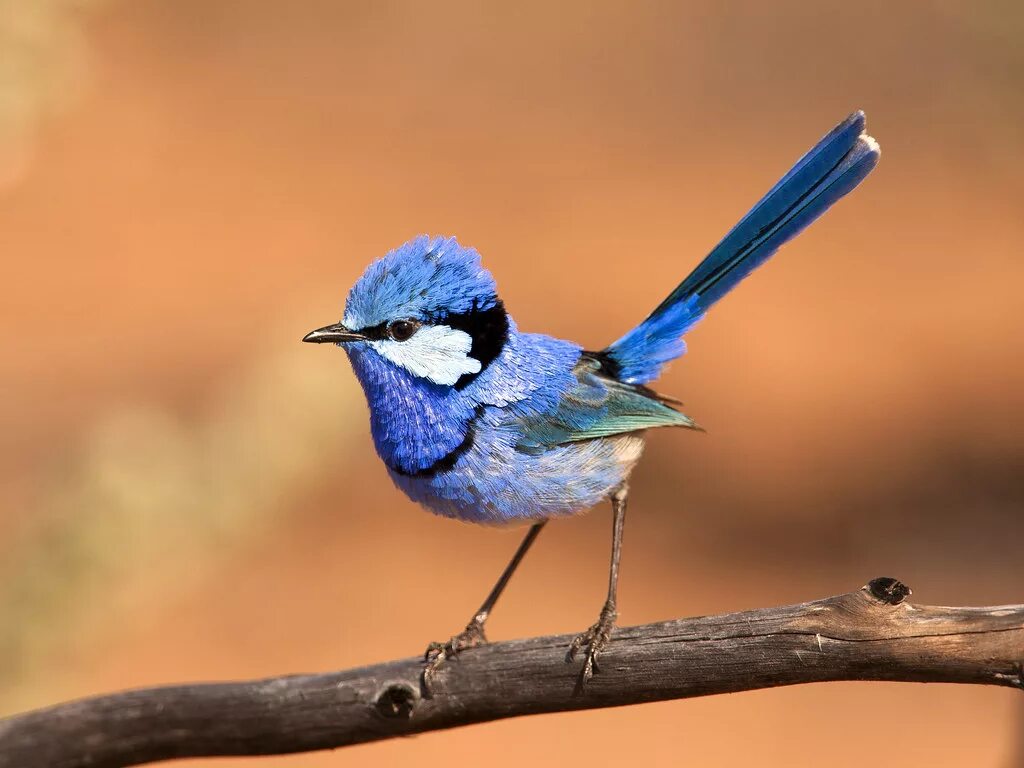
(396, 701)
(889, 590)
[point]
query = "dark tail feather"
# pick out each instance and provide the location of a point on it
(834, 167)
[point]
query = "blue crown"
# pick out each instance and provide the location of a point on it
(426, 278)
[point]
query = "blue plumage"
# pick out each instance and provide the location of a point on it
(426, 277)
(837, 164)
(481, 422)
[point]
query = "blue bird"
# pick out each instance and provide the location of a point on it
(479, 421)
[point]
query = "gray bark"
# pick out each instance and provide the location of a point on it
(871, 634)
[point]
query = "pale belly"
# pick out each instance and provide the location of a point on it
(495, 483)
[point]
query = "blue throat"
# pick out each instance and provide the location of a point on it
(416, 425)
(420, 428)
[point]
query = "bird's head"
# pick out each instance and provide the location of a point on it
(427, 307)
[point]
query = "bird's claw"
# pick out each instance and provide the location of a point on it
(437, 653)
(594, 639)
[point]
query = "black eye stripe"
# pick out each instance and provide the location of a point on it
(377, 332)
(488, 328)
(381, 331)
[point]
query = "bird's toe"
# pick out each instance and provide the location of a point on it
(437, 653)
(594, 640)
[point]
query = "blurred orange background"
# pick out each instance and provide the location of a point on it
(188, 493)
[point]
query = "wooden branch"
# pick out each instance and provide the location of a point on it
(871, 634)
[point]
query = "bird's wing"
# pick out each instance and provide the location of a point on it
(594, 406)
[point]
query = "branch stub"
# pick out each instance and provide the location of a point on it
(397, 700)
(889, 590)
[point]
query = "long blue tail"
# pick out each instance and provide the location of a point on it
(838, 163)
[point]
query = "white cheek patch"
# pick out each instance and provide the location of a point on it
(436, 352)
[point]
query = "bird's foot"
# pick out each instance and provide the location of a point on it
(594, 639)
(438, 653)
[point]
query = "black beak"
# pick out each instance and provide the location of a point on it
(332, 334)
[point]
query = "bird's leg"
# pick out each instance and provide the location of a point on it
(600, 633)
(473, 634)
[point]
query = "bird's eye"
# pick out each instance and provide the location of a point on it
(402, 330)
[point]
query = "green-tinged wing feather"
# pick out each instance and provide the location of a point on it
(596, 406)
